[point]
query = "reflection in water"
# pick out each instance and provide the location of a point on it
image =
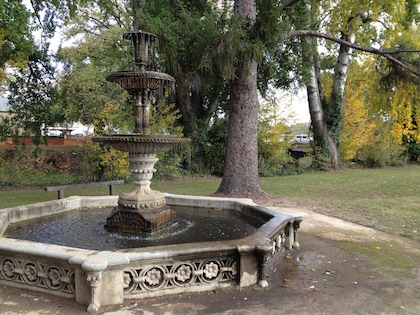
(85, 229)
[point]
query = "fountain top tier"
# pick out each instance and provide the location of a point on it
(144, 54)
(141, 84)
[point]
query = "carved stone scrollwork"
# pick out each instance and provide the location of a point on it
(53, 279)
(35, 274)
(153, 278)
(31, 273)
(8, 269)
(211, 270)
(94, 279)
(280, 242)
(180, 274)
(183, 274)
(265, 251)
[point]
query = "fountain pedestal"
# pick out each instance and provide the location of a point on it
(142, 209)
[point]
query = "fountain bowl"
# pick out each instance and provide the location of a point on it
(140, 80)
(95, 278)
(141, 144)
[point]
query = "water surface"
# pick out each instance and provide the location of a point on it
(85, 229)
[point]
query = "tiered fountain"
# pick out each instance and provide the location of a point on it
(141, 209)
(103, 273)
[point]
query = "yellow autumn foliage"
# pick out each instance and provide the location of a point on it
(374, 111)
(358, 126)
(404, 103)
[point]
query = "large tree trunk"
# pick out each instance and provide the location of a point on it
(322, 134)
(241, 163)
(327, 119)
(323, 138)
(334, 108)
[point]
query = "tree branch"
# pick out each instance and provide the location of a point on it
(290, 4)
(381, 52)
(117, 14)
(99, 22)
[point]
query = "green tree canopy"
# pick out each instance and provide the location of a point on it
(16, 42)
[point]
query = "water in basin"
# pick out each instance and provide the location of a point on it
(85, 229)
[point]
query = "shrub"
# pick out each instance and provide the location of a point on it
(101, 162)
(382, 150)
(413, 151)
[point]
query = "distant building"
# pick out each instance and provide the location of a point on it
(73, 130)
(302, 139)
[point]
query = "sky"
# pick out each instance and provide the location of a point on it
(300, 106)
(292, 105)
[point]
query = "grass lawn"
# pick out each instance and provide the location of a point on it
(387, 199)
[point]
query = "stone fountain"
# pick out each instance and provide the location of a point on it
(108, 275)
(141, 209)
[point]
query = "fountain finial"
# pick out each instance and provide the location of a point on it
(142, 42)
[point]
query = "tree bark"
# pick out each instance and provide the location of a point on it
(322, 135)
(241, 162)
(327, 120)
(334, 108)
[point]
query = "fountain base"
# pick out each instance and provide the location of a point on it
(108, 277)
(140, 210)
(129, 220)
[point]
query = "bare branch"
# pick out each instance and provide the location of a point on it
(390, 52)
(99, 22)
(387, 54)
(290, 4)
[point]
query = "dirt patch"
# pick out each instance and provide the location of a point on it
(319, 278)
